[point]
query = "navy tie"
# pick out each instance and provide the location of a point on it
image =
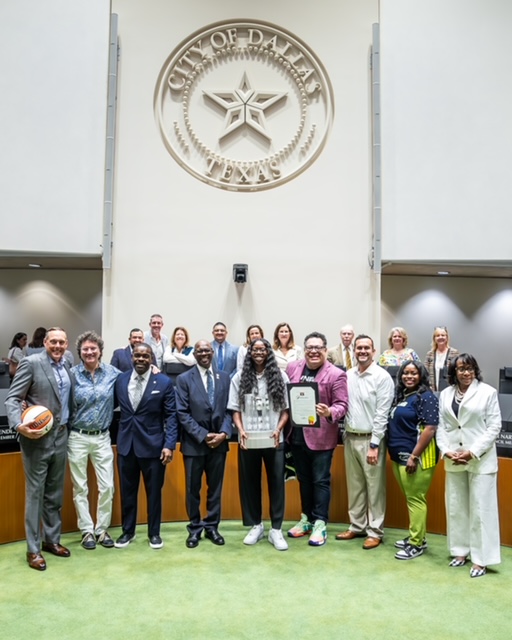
(209, 387)
(220, 358)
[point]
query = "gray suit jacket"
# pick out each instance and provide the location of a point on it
(35, 383)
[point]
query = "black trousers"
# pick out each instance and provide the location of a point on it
(249, 475)
(153, 473)
(212, 465)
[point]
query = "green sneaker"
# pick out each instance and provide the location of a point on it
(318, 536)
(302, 528)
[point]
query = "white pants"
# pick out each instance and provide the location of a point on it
(98, 449)
(473, 526)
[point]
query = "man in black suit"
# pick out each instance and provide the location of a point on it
(43, 379)
(148, 431)
(201, 399)
(122, 359)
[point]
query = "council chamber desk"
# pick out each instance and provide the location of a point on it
(13, 491)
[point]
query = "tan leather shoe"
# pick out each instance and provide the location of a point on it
(36, 561)
(348, 535)
(371, 543)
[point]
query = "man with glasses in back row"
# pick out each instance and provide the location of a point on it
(313, 447)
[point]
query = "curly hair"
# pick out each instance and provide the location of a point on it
(401, 389)
(276, 389)
(89, 336)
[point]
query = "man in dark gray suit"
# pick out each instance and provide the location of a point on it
(43, 378)
(201, 401)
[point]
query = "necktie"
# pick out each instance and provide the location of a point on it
(137, 394)
(220, 358)
(209, 387)
(348, 359)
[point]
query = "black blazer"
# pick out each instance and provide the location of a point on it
(195, 414)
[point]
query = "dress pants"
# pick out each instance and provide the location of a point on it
(472, 519)
(314, 474)
(44, 487)
(97, 448)
(212, 465)
(249, 478)
(415, 487)
(366, 486)
(153, 473)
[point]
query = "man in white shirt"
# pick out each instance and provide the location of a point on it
(370, 394)
(343, 354)
(156, 339)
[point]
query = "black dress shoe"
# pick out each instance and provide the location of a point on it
(193, 540)
(214, 536)
(57, 549)
(124, 540)
(36, 561)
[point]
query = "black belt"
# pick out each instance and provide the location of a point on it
(358, 434)
(88, 432)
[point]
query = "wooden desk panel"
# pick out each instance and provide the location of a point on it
(13, 488)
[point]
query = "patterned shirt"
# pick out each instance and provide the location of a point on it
(93, 397)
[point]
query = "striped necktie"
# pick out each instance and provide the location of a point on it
(348, 359)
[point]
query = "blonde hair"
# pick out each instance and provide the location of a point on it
(434, 343)
(399, 330)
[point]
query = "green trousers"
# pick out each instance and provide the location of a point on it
(415, 487)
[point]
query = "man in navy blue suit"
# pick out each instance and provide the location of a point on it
(122, 358)
(225, 354)
(202, 399)
(148, 431)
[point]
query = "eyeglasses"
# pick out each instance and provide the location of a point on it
(309, 349)
(253, 351)
(465, 370)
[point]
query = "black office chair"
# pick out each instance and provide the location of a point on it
(5, 380)
(174, 369)
(505, 384)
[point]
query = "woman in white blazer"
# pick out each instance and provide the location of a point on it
(469, 423)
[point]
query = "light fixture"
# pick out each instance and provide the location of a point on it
(34, 265)
(240, 273)
(443, 273)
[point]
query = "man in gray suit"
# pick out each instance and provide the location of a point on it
(225, 354)
(43, 378)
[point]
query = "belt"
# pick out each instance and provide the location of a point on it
(357, 434)
(88, 432)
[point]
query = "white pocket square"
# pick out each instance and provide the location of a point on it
(156, 391)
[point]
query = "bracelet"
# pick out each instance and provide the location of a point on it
(415, 458)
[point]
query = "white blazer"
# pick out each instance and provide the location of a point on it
(476, 428)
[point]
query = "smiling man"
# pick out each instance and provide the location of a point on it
(225, 354)
(313, 447)
(202, 399)
(45, 379)
(157, 340)
(148, 431)
(370, 391)
(89, 438)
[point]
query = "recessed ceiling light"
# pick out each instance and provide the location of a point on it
(33, 265)
(443, 273)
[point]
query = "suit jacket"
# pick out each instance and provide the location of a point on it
(153, 425)
(197, 417)
(332, 387)
(430, 364)
(35, 382)
(230, 357)
(122, 359)
(476, 428)
(336, 355)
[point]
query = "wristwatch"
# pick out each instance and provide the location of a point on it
(373, 445)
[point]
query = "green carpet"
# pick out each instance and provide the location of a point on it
(335, 591)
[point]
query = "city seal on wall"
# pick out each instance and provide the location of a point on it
(243, 105)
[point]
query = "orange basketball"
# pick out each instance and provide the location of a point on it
(41, 416)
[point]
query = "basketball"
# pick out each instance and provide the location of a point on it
(41, 416)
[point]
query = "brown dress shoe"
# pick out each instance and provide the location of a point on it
(348, 535)
(57, 550)
(371, 543)
(36, 561)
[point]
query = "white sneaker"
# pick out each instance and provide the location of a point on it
(255, 534)
(275, 537)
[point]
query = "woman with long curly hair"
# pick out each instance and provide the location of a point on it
(258, 399)
(411, 429)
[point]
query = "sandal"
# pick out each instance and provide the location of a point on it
(457, 562)
(477, 572)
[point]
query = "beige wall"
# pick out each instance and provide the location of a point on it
(176, 238)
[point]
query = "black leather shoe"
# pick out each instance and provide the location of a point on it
(214, 536)
(124, 540)
(36, 561)
(57, 549)
(193, 540)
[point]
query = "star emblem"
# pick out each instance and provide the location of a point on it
(245, 107)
